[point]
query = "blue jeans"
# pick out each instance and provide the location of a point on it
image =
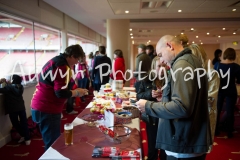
(49, 125)
(22, 126)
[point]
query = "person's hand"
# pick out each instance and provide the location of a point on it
(81, 91)
(141, 104)
(155, 93)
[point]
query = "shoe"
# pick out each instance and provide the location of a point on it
(21, 140)
(73, 112)
(28, 142)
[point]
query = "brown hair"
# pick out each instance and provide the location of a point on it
(90, 56)
(198, 51)
(102, 49)
(230, 54)
(74, 50)
(183, 39)
(119, 53)
(159, 83)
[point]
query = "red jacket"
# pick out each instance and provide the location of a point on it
(118, 65)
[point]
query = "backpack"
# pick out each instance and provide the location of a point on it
(33, 127)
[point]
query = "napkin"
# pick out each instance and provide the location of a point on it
(52, 154)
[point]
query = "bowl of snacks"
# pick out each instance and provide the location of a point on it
(123, 117)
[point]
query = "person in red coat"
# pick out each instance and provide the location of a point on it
(118, 70)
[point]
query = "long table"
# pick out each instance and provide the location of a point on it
(86, 137)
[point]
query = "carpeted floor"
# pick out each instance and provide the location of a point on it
(224, 148)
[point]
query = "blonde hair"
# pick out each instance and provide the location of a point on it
(200, 53)
(183, 39)
(159, 83)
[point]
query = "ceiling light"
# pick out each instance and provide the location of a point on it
(131, 34)
(219, 36)
(126, 11)
(179, 10)
(193, 42)
(234, 10)
(234, 32)
(223, 28)
(149, 41)
(132, 37)
(192, 29)
(132, 42)
(208, 33)
(182, 33)
(235, 43)
(196, 36)
(130, 29)
(201, 43)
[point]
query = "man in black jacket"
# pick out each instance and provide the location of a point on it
(183, 130)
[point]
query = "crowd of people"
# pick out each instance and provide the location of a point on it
(181, 118)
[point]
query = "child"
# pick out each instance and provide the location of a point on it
(83, 75)
(15, 107)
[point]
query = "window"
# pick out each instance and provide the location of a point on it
(87, 45)
(25, 46)
(47, 44)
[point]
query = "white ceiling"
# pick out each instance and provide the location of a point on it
(159, 17)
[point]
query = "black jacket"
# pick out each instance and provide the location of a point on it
(145, 92)
(13, 99)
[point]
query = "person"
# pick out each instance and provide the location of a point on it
(15, 107)
(82, 74)
(90, 67)
(182, 130)
(149, 90)
(119, 65)
(217, 55)
(183, 39)
(145, 61)
(213, 85)
(69, 105)
(101, 58)
(150, 51)
(227, 88)
(52, 92)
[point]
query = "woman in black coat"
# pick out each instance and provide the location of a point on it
(151, 90)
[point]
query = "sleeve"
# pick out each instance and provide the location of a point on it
(213, 86)
(4, 90)
(137, 66)
(238, 73)
(216, 65)
(180, 105)
(61, 82)
(93, 69)
(144, 94)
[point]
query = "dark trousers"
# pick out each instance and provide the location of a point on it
(202, 157)
(152, 137)
(230, 105)
(97, 86)
(22, 125)
(49, 125)
(83, 83)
